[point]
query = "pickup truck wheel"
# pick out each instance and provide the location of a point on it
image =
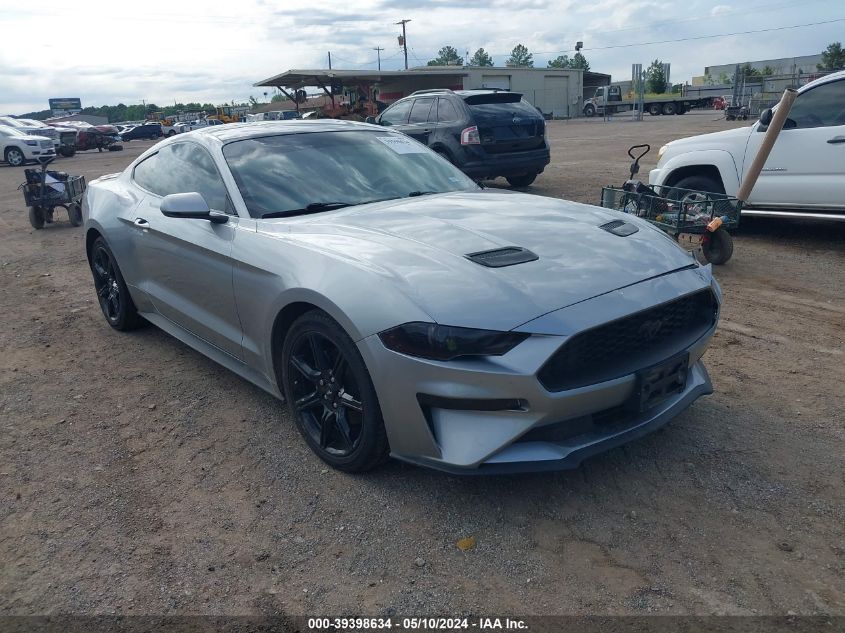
(654, 109)
(669, 109)
(521, 181)
(698, 183)
(171, 133)
(589, 110)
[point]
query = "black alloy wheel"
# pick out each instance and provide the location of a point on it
(331, 396)
(112, 294)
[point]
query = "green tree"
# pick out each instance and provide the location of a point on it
(561, 61)
(277, 98)
(833, 57)
(480, 58)
(655, 77)
(447, 56)
(767, 71)
(520, 57)
(579, 61)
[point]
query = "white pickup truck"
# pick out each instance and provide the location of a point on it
(804, 175)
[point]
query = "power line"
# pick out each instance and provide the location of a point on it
(706, 37)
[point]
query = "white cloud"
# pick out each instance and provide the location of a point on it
(106, 51)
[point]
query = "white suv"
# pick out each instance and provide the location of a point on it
(804, 175)
(16, 147)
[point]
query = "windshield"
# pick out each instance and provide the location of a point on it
(290, 172)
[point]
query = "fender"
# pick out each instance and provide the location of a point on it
(720, 159)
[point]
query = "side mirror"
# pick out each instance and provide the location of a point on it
(766, 116)
(370, 119)
(190, 205)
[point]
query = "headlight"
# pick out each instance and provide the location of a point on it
(443, 342)
(33, 143)
(661, 151)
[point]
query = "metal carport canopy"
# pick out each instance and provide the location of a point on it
(295, 79)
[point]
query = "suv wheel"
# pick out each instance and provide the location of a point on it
(521, 181)
(15, 157)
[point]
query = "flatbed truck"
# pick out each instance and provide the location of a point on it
(654, 105)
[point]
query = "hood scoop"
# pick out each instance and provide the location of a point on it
(620, 228)
(501, 257)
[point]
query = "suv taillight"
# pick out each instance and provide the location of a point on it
(470, 136)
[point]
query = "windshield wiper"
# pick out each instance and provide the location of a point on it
(415, 194)
(314, 207)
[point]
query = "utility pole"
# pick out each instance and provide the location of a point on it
(403, 41)
(378, 53)
(330, 60)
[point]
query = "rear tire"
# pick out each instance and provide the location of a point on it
(719, 247)
(331, 396)
(654, 109)
(669, 108)
(112, 293)
(521, 181)
(36, 217)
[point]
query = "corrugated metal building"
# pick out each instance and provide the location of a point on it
(556, 92)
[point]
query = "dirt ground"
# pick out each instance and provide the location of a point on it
(138, 477)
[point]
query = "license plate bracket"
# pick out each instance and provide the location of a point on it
(661, 381)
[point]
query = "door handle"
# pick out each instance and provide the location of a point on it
(836, 139)
(141, 223)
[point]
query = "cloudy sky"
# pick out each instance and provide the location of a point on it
(111, 51)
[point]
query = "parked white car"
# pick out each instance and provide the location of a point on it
(187, 126)
(17, 148)
(804, 175)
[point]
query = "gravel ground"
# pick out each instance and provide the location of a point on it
(138, 477)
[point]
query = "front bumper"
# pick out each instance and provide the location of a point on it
(34, 153)
(491, 414)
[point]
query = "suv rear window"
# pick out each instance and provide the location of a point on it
(488, 108)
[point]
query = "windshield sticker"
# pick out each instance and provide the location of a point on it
(402, 145)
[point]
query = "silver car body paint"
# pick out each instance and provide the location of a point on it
(221, 287)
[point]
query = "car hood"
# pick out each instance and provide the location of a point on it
(714, 140)
(420, 245)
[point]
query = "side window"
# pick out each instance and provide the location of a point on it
(396, 114)
(180, 168)
(820, 107)
(446, 111)
(145, 174)
(419, 113)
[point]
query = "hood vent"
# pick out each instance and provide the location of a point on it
(501, 257)
(620, 228)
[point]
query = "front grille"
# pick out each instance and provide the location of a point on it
(46, 143)
(631, 343)
(68, 138)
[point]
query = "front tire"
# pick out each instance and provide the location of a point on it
(589, 110)
(112, 293)
(331, 396)
(14, 157)
(36, 217)
(521, 181)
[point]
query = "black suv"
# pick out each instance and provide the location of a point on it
(485, 133)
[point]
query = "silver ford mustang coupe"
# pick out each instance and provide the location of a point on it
(396, 306)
